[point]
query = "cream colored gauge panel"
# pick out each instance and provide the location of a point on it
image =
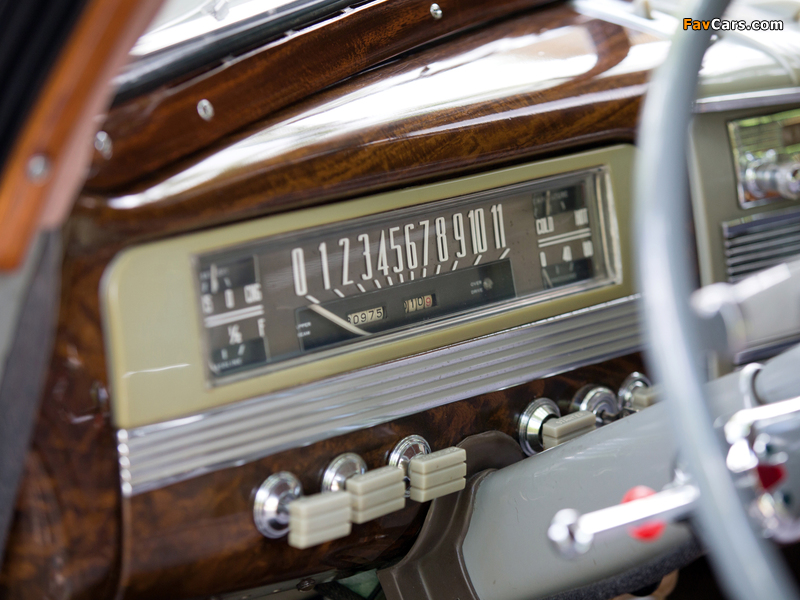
(215, 317)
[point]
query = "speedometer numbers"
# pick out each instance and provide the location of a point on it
(317, 289)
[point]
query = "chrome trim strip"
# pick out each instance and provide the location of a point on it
(157, 455)
(747, 100)
(760, 241)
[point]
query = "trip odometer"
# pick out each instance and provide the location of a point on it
(328, 287)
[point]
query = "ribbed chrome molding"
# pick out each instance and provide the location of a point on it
(760, 241)
(154, 456)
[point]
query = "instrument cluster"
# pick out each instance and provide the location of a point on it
(364, 279)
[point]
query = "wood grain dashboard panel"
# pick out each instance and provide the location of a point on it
(196, 537)
(551, 81)
(246, 88)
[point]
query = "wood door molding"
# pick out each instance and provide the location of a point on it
(48, 162)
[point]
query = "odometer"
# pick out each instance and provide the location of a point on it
(373, 277)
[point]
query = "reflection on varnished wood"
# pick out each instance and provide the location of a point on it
(66, 536)
(246, 89)
(523, 88)
(197, 537)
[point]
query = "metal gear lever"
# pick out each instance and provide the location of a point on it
(573, 534)
(643, 512)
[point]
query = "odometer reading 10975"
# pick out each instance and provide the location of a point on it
(328, 287)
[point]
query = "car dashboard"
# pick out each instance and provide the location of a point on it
(376, 253)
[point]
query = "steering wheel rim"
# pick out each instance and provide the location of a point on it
(747, 566)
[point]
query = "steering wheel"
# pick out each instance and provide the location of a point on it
(747, 566)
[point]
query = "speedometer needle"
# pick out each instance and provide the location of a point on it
(337, 320)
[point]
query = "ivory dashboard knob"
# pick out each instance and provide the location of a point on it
(563, 429)
(319, 518)
(376, 493)
(437, 474)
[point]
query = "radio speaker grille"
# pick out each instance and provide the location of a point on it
(761, 241)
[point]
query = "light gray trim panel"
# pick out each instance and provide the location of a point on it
(154, 456)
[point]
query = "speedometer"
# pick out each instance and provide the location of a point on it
(390, 274)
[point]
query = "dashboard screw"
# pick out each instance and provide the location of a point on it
(103, 144)
(205, 109)
(436, 11)
(38, 168)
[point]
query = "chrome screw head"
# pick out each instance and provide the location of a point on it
(38, 168)
(103, 144)
(205, 109)
(436, 11)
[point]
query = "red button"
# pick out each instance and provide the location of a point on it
(770, 475)
(649, 532)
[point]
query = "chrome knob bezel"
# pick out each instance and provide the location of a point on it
(600, 400)
(404, 451)
(271, 505)
(531, 421)
(340, 470)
